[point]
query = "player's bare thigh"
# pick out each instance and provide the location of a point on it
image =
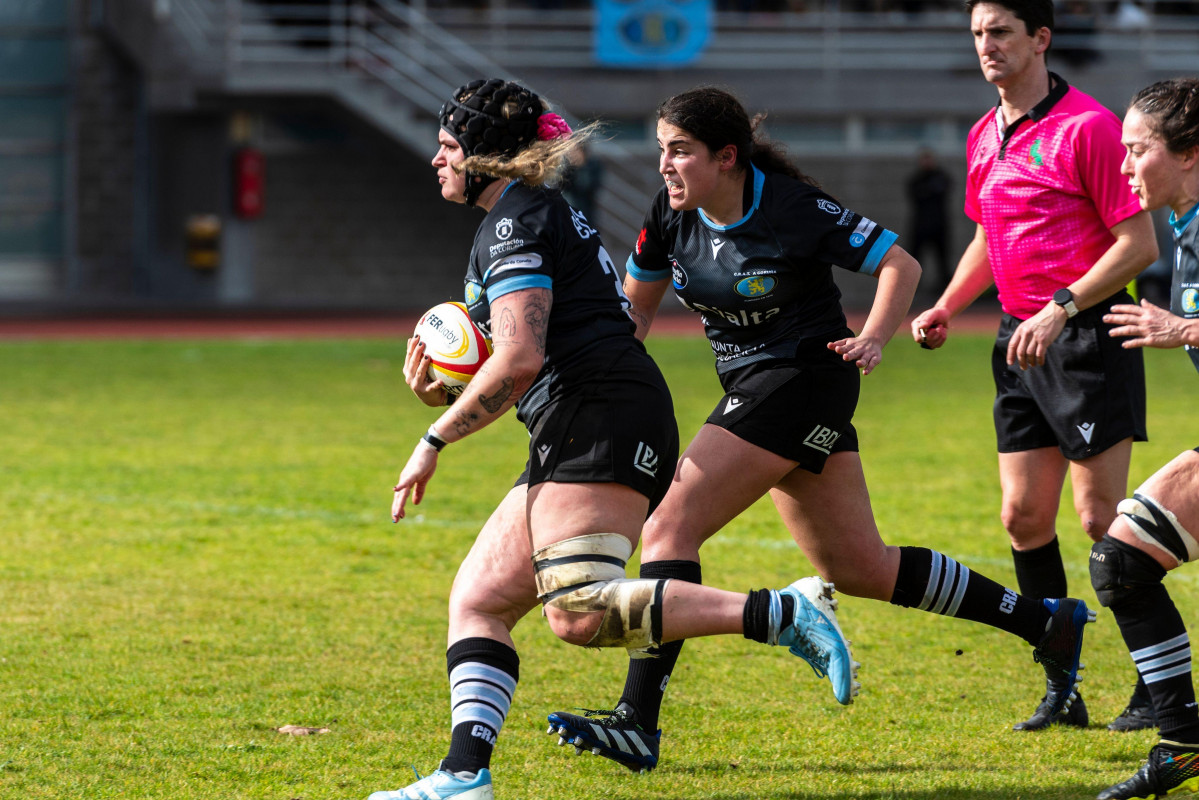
(717, 477)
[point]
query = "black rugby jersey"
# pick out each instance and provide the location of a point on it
(1184, 285)
(764, 283)
(532, 238)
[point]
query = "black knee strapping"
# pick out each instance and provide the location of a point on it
(1120, 572)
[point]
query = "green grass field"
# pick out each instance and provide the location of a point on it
(197, 550)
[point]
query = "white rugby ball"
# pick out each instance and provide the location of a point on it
(454, 344)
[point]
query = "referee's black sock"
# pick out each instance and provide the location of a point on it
(934, 582)
(1040, 571)
(647, 678)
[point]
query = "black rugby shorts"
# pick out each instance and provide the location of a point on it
(619, 428)
(1089, 394)
(800, 409)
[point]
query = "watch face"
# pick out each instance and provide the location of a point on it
(1062, 296)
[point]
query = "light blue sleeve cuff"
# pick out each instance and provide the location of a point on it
(645, 275)
(881, 245)
(516, 283)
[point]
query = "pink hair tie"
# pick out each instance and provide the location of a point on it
(552, 126)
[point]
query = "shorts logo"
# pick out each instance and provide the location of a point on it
(822, 439)
(543, 452)
(732, 404)
(1190, 301)
(1087, 429)
(646, 459)
(755, 287)
(678, 274)
(473, 292)
(828, 205)
(503, 228)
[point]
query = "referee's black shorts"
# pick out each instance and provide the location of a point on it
(1087, 396)
(616, 427)
(799, 408)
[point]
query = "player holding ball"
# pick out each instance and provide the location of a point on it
(602, 450)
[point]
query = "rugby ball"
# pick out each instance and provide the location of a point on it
(454, 344)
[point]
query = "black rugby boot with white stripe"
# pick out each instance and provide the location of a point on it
(611, 734)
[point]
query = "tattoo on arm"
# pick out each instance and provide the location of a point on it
(496, 401)
(464, 422)
(506, 329)
(537, 316)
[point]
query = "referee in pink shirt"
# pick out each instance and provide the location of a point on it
(1060, 234)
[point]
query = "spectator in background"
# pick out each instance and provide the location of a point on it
(928, 190)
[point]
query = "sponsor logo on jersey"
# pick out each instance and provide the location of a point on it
(505, 247)
(740, 318)
(514, 261)
(822, 439)
(862, 232)
(756, 286)
(1087, 429)
(716, 245)
(1190, 301)
(584, 229)
(678, 274)
(846, 218)
(1034, 154)
(828, 205)
(640, 240)
(503, 228)
(645, 459)
(473, 292)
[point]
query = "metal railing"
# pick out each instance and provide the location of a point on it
(395, 62)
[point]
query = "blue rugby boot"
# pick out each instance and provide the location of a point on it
(442, 784)
(1059, 652)
(612, 734)
(1171, 768)
(815, 636)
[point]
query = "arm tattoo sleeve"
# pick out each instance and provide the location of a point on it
(537, 316)
(496, 401)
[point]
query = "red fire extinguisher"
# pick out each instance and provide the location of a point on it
(247, 183)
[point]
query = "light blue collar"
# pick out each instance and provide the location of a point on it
(1180, 225)
(759, 179)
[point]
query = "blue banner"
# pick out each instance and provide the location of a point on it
(651, 33)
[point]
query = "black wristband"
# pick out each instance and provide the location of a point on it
(433, 440)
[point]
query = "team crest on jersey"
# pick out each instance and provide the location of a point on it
(503, 228)
(473, 292)
(1034, 154)
(828, 205)
(756, 286)
(1190, 301)
(678, 274)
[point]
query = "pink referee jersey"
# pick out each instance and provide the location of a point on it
(1047, 191)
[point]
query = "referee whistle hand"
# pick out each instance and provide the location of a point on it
(930, 329)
